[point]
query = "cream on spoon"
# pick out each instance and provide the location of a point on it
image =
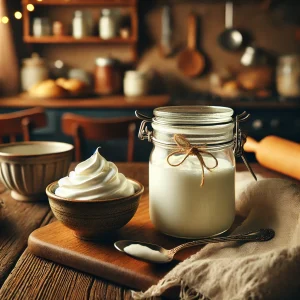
(156, 254)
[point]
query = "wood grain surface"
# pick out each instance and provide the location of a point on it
(25, 276)
(110, 102)
(18, 220)
(121, 102)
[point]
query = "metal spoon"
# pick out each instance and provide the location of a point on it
(161, 255)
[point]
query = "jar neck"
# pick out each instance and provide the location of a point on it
(199, 125)
(207, 147)
(195, 135)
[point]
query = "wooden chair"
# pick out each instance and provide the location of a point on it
(21, 123)
(86, 128)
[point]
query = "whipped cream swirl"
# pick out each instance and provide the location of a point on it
(94, 179)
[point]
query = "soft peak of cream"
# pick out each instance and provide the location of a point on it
(94, 179)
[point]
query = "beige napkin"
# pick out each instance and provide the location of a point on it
(260, 270)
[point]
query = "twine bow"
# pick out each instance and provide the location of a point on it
(186, 148)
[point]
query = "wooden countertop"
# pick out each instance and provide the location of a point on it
(122, 102)
(257, 104)
(25, 276)
(113, 102)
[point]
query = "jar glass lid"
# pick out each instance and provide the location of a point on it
(195, 114)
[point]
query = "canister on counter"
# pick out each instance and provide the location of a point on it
(135, 84)
(34, 70)
(288, 76)
(108, 76)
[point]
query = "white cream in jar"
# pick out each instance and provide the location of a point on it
(192, 168)
(180, 207)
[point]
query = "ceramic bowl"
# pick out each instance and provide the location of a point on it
(91, 219)
(26, 168)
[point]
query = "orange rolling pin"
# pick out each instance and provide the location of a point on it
(276, 153)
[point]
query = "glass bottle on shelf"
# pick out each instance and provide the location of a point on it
(41, 27)
(109, 23)
(80, 25)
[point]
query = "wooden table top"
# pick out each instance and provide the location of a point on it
(25, 276)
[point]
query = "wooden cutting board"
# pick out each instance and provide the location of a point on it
(57, 243)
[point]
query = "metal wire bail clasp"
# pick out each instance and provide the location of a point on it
(240, 139)
(144, 132)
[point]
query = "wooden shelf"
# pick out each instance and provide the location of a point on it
(109, 102)
(72, 40)
(130, 7)
(106, 3)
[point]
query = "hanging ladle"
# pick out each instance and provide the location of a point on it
(230, 39)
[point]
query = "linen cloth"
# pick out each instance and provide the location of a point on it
(254, 270)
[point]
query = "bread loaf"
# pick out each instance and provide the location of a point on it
(47, 89)
(73, 86)
(277, 154)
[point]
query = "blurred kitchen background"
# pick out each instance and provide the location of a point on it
(141, 54)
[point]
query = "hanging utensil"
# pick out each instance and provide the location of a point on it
(230, 39)
(190, 61)
(166, 34)
(254, 56)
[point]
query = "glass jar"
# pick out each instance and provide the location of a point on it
(288, 76)
(58, 28)
(135, 84)
(41, 27)
(191, 170)
(34, 70)
(109, 23)
(107, 77)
